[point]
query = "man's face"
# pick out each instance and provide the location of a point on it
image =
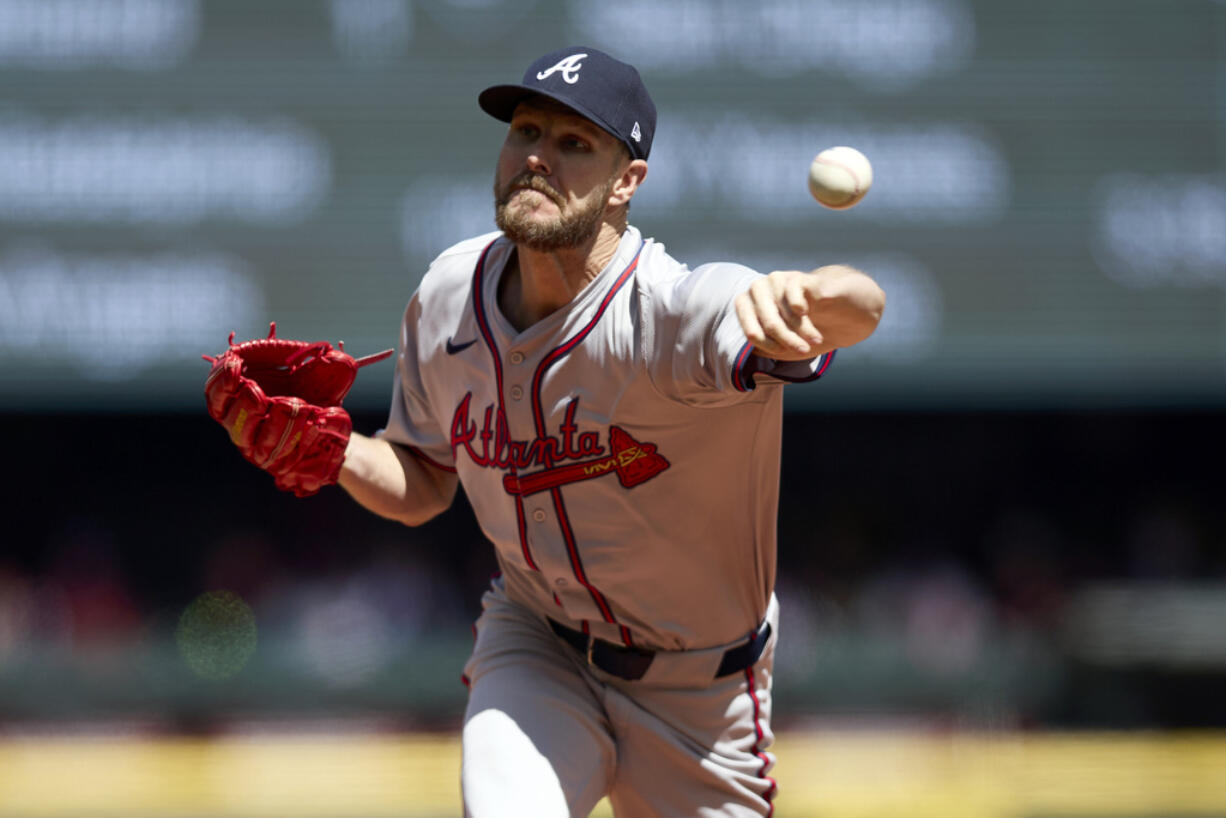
(555, 173)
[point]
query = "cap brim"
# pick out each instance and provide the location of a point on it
(500, 101)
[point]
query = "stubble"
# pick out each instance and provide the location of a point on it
(571, 228)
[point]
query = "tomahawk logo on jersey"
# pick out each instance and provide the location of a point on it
(563, 458)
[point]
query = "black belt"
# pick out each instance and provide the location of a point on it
(631, 663)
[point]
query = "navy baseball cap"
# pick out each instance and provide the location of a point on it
(607, 91)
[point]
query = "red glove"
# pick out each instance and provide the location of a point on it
(280, 401)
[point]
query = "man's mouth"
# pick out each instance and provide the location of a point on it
(537, 187)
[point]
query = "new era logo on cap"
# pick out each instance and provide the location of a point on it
(605, 90)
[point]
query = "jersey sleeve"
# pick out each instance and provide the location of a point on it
(699, 354)
(411, 421)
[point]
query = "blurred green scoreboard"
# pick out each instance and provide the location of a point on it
(1048, 217)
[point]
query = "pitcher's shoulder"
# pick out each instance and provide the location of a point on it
(454, 266)
(666, 279)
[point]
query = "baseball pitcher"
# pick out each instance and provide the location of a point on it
(614, 418)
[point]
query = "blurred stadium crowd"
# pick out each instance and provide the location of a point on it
(977, 570)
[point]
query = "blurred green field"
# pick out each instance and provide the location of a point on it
(826, 773)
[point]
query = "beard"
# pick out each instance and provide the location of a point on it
(570, 229)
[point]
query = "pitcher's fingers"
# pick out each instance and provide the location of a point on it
(809, 331)
(798, 303)
(749, 320)
(752, 327)
(772, 320)
(794, 295)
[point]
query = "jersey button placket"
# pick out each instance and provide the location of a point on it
(516, 357)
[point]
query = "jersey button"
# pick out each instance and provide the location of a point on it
(517, 357)
(539, 515)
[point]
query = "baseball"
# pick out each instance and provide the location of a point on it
(839, 177)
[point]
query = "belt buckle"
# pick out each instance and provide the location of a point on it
(591, 643)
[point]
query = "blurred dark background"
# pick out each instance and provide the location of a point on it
(982, 570)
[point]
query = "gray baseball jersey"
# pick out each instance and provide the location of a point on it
(622, 454)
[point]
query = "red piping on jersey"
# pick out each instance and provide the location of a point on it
(759, 736)
(483, 325)
(821, 370)
(538, 416)
(738, 379)
(557, 354)
(742, 381)
(576, 565)
(521, 524)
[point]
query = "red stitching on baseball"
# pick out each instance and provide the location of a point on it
(836, 163)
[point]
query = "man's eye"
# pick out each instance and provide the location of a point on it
(575, 144)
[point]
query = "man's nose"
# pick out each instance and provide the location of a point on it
(537, 162)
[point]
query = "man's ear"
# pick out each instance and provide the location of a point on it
(628, 182)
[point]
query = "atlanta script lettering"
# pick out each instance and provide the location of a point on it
(491, 446)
